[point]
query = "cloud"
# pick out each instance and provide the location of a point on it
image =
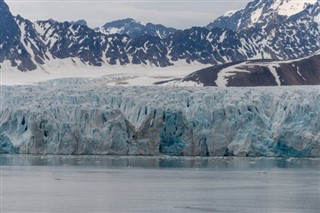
(179, 14)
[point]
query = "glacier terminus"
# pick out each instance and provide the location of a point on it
(74, 116)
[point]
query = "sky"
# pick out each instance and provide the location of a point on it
(171, 13)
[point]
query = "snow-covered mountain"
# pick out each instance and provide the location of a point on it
(27, 45)
(262, 13)
(305, 71)
(12, 48)
(135, 29)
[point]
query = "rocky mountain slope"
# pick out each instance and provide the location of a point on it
(304, 71)
(262, 13)
(12, 48)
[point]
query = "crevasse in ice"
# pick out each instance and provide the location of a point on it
(62, 117)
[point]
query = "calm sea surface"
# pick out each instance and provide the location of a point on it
(151, 184)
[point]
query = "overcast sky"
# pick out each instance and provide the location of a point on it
(172, 13)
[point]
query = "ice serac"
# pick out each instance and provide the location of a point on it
(75, 117)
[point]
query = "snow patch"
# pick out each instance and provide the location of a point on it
(230, 13)
(256, 15)
(292, 7)
(113, 30)
(299, 73)
(223, 36)
(317, 20)
(275, 74)
(142, 75)
(225, 74)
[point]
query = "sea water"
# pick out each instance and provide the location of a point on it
(158, 184)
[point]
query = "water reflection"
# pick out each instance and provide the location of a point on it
(220, 163)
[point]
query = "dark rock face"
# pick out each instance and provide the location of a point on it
(159, 30)
(302, 72)
(31, 40)
(11, 47)
(263, 73)
(66, 40)
(207, 76)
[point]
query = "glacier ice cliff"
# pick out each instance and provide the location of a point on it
(75, 117)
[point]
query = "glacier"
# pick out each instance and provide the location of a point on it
(73, 116)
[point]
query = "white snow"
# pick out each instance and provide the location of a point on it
(102, 30)
(230, 12)
(291, 7)
(256, 15)
(275, 74)
(209, 37)
(66, 68)
(317, 20)
(113, 30)
(225, 74)
(40, 29)
(159, 34)
(223, 36)
(298, 71)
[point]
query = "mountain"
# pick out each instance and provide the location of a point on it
(305, 71)
(262, 13)
(13, 50)
(135, 29)
(80, 22)
(67, 40)
(30, 45)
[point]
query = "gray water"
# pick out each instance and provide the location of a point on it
(165, 184)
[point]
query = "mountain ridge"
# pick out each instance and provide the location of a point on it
(305, 71)
(262, 13)
(135, 29)
(35, 44)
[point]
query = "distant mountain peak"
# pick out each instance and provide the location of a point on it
(52, 21)
(80, 22)
(129, 20)
(135, 29)
(261, 12)
(46, 44)
(290, 7)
